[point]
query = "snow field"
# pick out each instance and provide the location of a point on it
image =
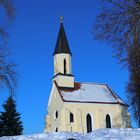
(100, 134)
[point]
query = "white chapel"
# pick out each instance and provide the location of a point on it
(77, 106)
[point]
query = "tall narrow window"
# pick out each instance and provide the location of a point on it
(56, 129)
(71, 117)
(56, 114)
(89, 123)
(65, 70)
(108, 121)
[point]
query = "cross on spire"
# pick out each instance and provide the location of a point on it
(61, 19)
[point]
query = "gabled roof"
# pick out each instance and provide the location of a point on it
(62, 45)
(89, 93)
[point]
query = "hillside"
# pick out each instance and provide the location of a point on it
(101, 134)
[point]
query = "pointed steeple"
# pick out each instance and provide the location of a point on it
(62, 45)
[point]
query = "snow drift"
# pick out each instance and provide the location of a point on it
(100, 134)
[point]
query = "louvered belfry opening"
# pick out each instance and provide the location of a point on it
(65, 69)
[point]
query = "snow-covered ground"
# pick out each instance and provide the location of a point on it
(100, 134)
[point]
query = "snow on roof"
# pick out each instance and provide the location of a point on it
(90, 92)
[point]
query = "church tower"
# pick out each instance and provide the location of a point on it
(62, 60)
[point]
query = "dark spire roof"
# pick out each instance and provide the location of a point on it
(62, 45)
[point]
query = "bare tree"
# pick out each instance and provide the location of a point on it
(8, 76)
(8, 12)
(134, 82)
(119, 24)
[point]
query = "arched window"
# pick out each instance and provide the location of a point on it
(108, 121)
(89, 123)
(71, 118)
(65, 70)
(56, 129)
(56, 114)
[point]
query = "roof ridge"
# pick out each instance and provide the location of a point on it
(91, 83)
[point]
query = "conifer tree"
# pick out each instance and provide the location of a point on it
(10, 123)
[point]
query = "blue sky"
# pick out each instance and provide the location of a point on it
(32, 38)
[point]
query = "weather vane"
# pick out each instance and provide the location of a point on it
(61, 19)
